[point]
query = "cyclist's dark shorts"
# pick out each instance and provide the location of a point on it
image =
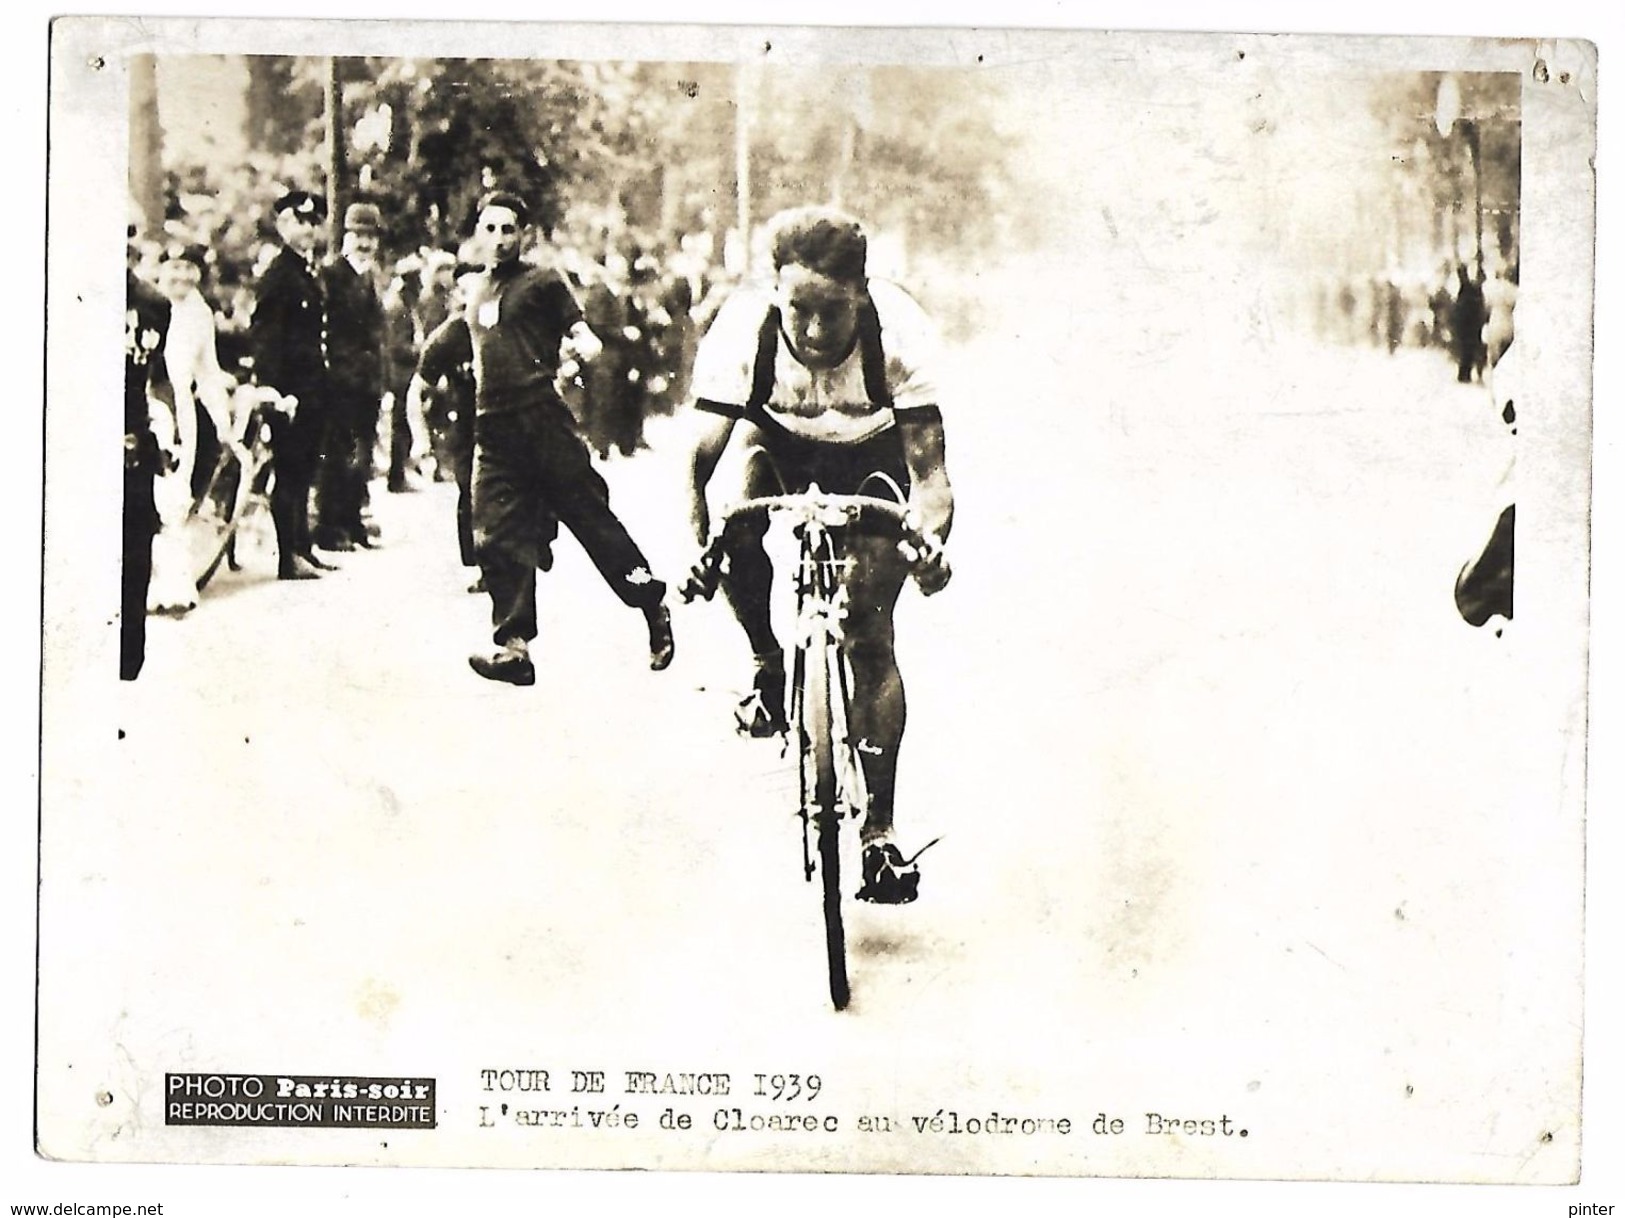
(840, 469)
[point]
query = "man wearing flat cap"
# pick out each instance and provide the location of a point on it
(289, 340)
(355, 356)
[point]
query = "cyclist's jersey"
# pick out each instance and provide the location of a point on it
(892, 369)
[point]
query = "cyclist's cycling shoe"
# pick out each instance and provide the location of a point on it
(757, 718)
(760, 713)
(887, 878)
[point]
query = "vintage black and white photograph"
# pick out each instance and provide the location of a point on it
(931, 602)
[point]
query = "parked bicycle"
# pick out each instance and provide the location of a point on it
(235, 493)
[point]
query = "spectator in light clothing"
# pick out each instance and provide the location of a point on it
(197, 381)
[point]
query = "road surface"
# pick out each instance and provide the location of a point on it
(1210, 754)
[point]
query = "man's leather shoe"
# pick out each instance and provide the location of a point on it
(297, 568)
(321, 564)
(662, 647)
(504, 664)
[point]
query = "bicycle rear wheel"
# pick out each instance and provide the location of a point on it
(221, 508)
(825, 811)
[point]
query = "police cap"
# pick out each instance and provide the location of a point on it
(302, 203)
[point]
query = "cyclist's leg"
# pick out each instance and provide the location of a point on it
(748, 586)
(748, 583)
(879, 708)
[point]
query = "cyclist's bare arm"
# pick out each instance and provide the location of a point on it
(924, 449)
(708, 445)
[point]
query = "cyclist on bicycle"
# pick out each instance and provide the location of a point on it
(831, 379)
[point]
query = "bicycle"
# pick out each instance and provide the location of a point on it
(831, 772)
(235, 490)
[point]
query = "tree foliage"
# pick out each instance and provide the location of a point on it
(459, 127)
(1459, 138)
(601, 148)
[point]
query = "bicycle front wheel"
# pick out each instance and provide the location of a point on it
(825, 811)
(216, 515)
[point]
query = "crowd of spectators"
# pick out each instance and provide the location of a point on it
(1459, 309)
(645, 294)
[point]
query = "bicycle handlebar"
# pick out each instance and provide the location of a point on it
(829, 511)
(816, 504)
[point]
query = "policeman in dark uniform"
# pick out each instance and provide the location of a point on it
(289, 337)
(146, 321)
(528, 456)
(355, 357)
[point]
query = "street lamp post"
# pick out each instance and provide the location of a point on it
(1469, 129)
(1446, 118)
(333, 133)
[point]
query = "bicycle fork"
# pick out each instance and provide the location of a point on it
(831, 774)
